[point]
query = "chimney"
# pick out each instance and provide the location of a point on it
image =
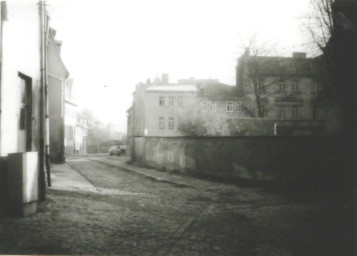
(299, 55)
(165, 79)
(148, 81)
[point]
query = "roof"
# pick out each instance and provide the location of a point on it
(297, 65)
(283, 65)
(219, 91)
(172, 88)
(51, 39)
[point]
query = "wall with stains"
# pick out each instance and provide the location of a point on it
(289, 158)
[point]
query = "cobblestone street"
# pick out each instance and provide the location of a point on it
(128, 210)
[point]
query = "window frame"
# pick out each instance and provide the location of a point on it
(180, 102)
(229, 106)
(171, 123)
(171, 101)
(295, 112)
(282, 112)
(161, 101)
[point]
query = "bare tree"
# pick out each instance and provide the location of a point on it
(320, 24)
(196, 123)
(330, 28)
(333, 29)
(260, 76)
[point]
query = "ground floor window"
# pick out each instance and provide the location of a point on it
(161, 122)
(171, 122)
(295, 112)
(281, 114)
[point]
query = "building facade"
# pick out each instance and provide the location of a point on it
(81, 133)
(57, 74)
(285, 89)
(157, 110)
(70, 119)
(22, 100)
(205, 107)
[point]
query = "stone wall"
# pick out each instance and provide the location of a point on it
(285, 158)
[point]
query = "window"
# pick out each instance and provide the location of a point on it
(229, 106)
(67, 132)
(180, 102)
(295, 86)
(171, 122)
(204, 106)
(282, 87)
(239, 106)
(162, 101)
(161, 123)
(211, 106)
(315, 89)
(282, 112)
(71, 132)
(295, 112)
(171, 101)
(314, 113)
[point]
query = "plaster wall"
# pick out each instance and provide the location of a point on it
(21, 53)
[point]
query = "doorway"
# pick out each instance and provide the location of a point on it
(24, 142)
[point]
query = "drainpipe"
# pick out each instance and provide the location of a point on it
(3, 18)
(47, 151)
(41, 176)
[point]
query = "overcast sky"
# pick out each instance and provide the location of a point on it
(110, 46)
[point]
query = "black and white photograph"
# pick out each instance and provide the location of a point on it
(178, 127)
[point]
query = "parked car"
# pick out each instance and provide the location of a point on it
(123, 148)
(116, 151)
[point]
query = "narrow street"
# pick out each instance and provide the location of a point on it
(128, 210)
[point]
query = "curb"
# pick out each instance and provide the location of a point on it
(140, 174)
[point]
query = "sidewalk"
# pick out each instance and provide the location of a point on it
(63, 177)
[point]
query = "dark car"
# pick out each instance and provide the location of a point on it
(116, 151)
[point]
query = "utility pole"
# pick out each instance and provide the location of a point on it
(41, 176)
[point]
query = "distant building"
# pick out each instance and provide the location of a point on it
(198, 82)
(287, 92)
(173, 109)
(81, 133)
(57, 78)
(157, 109)
(70, 118)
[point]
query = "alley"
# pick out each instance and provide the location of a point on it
(128, 210)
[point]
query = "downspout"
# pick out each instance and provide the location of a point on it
(3, 18)
(41, 176)
(47, 122)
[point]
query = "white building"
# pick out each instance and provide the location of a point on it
(22, 101)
